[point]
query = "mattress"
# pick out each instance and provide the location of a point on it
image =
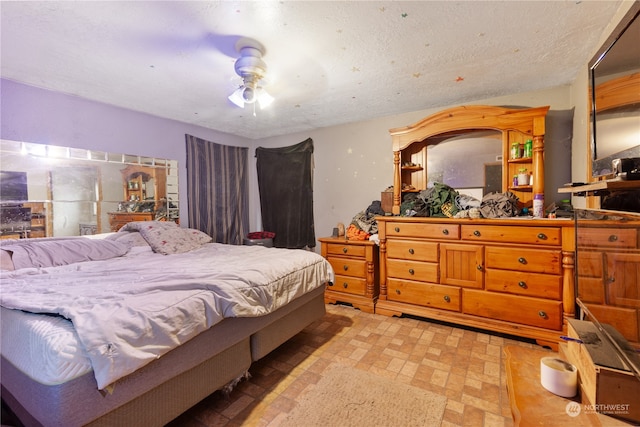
(120, 317)
(178, 380)
(45, 348)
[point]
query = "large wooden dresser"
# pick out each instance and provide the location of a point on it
(511, 276)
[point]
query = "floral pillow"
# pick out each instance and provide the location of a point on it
(167, 237)
(199, 236)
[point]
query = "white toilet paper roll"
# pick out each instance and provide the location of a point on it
(558, 376)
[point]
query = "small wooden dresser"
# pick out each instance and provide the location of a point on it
(355, 264)
(118, 219)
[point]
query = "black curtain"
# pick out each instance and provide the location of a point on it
(286, 194)
(217, 186)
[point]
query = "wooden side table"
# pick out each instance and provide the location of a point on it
(355, 264)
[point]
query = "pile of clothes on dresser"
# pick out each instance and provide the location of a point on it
(364, 225)
(442, 201)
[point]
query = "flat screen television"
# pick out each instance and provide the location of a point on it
(13, 187)
(615, 97)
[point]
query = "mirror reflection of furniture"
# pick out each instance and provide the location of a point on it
(40, 221)
(43, 165)
(614, 87)
(608, 267)
(513, 127)
(608, 297)
(145, 196)
(142, 183)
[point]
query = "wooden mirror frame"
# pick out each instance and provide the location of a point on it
(458, 120)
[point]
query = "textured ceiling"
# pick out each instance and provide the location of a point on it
(329, 63)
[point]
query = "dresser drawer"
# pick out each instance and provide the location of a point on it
(431, 231)
(591, 289)
(538, 312)
(520, 259)
(512, 234)
(348, 266)
(608, 237)
(590, 264)
(347, 284)
(529, 284)
(412, 270)
(424, 294)
(131, 217)
(37, 222)
(412, 250)
(345, 249)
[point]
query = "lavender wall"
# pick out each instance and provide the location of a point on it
(36, 115)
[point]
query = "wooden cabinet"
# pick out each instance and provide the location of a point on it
(118, 219)
(355, 264)
(516, 126)
(608, 265)
(508, 275)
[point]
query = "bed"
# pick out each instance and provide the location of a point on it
(136, 327)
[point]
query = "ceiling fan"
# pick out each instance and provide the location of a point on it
(251, 68)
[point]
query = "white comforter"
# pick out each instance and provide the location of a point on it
(130, 310)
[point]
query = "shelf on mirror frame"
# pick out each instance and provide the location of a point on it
(521, 188)
(412, 168)
(521, 160)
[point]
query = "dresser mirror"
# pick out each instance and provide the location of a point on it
(615, 100)
(477, 178)
(52, 191)
(438, 148)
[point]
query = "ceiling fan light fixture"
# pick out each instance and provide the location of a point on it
(252, 69)
(237, 98)
(264, 99)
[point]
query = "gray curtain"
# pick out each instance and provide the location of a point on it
(217, 187)
(286, 193)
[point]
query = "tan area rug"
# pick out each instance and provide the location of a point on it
(348, 397)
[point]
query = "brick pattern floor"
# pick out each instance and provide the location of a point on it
(464, 365)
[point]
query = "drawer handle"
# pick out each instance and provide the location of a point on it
(345, 267)
(397, 229)
(445, 232)
(398, 291)
(447, 298)
(411, 271)
(542, 314)
(345, 250)
(411, 251)
(476, 233)
(613, 238)
(479, 267)
(345, 285)
(523, 285)
(330, 283)
(542, 236)
(522, 260)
